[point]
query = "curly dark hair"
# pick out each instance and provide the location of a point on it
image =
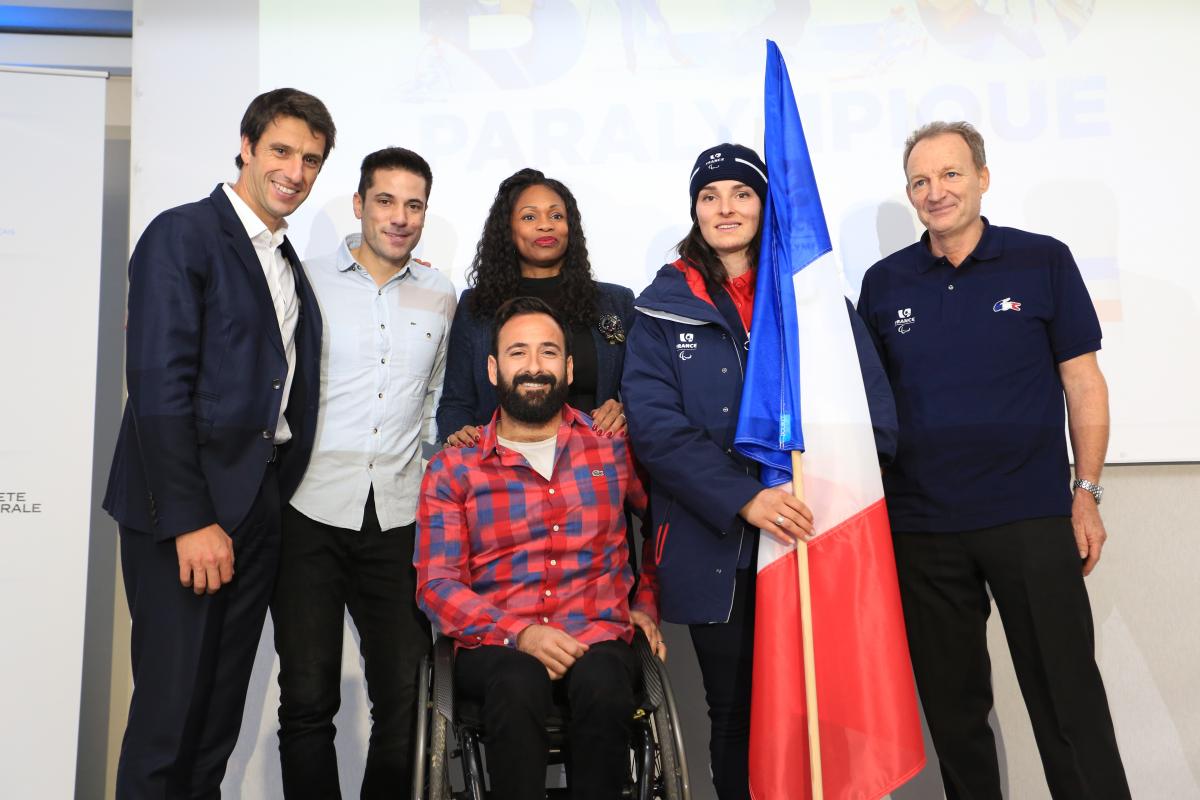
(495, 272)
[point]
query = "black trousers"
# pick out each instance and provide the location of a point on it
(1033, 570)
(725, 652)
(516, 693)
(192, 657)
(324, 571)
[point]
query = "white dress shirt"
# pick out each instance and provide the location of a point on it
(282, 283)
(383, 357)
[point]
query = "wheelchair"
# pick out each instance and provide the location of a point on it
(451, 730)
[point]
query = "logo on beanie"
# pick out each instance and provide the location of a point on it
(715, 161)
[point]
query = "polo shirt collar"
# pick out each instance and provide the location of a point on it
(989, 246)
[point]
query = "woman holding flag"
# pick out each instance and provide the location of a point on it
(682, 387)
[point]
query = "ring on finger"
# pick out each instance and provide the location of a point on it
(779, 521)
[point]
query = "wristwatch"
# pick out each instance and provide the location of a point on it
(1094, 489)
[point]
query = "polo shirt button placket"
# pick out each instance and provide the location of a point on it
(953, 307)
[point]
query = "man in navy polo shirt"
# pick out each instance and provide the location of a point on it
(982, 330)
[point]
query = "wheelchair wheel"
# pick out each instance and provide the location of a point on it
(671, 780)
(439, 767)
(430, 773)
(670, 747)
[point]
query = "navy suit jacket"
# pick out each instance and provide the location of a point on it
(205, 369)
(468, 397)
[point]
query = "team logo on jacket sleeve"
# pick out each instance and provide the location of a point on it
(686, 346)
(1007, 304)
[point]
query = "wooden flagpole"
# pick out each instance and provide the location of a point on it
(810, 666)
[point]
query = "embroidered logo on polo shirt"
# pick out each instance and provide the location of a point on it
(1007, 304)
(686, 346)
(906, 320)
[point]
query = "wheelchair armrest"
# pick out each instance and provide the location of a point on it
(443, 677)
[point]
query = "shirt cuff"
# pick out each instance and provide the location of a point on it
(508, 628)
(647, 603)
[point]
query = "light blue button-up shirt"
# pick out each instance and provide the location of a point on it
(383, 357)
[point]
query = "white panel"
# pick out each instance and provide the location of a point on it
(52, 160)
(1088, 136)
(194, 73)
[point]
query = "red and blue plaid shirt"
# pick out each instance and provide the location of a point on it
(500, 548)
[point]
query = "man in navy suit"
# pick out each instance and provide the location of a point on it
(222, 364)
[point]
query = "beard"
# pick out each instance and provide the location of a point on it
(534, 409)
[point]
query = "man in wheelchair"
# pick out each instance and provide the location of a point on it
(522, 557)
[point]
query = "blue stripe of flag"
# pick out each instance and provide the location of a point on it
(794, 236)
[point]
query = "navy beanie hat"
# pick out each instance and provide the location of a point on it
(728, 162)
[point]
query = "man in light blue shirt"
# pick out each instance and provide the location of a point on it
(348, 532)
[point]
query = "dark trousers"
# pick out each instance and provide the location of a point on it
(725, 652)
(323, 571)
(1033, 570)
(192, 657)
(516, 693)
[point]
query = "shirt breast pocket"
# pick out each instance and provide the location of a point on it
(420, 337)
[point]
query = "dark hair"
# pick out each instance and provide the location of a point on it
(393, 158)
(707, 262)
(519, 306)
(269, 106)
(495, 272)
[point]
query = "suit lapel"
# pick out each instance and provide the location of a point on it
(310, 316)
(235, 232)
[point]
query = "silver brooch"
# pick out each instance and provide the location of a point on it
(610, 325)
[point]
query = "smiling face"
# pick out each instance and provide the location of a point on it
(531, 371)
(392, 214)
(728, 213)
(540, 231)
(945, 187)
(279, 170)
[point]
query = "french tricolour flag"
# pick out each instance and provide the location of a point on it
(804, 391)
